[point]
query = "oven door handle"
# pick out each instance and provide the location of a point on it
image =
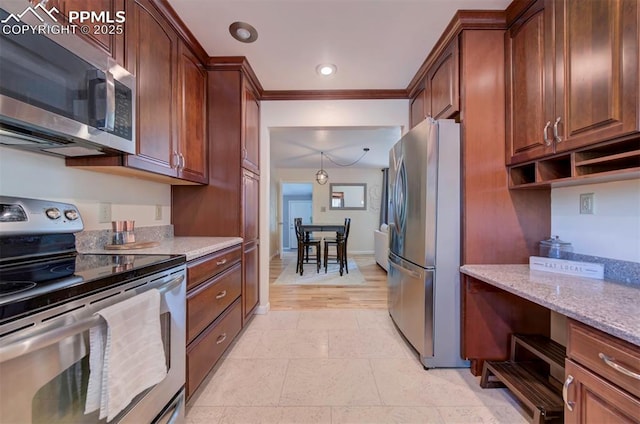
(48, 337)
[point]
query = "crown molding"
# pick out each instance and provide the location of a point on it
(333, 94)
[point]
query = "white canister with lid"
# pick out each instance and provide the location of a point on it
(553, 247)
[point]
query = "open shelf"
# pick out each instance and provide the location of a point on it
(604, 162)
(527, 375)
(541, 398)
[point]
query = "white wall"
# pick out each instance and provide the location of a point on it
(310, 113)
(25, 174)
(363, 222)
(613, 231)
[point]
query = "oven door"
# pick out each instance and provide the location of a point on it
(45, 370)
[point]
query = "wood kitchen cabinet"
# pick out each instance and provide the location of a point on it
(214, 312)
(229, 204)
(417, 108)
(192, 143)
(438, 95)
(251, 236)
(529, 57)
(442, 94)
(251, 136)
(171, 143)
(572, 76)
(108, 37)
(597, 388)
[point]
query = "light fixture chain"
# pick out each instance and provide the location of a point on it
(348, 164)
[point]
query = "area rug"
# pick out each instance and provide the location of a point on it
(331, 278)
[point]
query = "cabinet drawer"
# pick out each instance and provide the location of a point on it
(209, 299)
(201, 269)
(205, 350)
(593, 348)
(594, 400)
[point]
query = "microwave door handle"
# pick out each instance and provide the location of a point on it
(110, 109)
(48, 337)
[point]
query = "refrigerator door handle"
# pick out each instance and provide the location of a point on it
(410, 273)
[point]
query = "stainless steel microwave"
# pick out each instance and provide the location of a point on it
(59, 94)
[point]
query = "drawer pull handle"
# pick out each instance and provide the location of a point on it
(222, 262)
(221, 338)
(565, 392)
(613, 364)
(222, 294)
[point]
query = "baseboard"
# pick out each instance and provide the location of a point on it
(263, 309)
(360, 252)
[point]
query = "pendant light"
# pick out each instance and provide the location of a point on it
(321, 176)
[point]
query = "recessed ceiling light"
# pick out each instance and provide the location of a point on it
(243, 32)
(326, 70)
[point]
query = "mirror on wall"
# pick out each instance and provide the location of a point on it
(348, 196)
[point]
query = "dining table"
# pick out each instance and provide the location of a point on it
(310, 228)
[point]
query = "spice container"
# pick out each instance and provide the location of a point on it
(555, 248)
(118, 232)
(130, 236)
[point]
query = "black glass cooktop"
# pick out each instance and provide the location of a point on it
(31, 286)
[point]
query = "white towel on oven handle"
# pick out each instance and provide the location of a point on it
(134, 358)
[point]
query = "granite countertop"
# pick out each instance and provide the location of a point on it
(608, 306)
(192, 247)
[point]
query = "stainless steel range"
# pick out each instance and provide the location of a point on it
(49, 299)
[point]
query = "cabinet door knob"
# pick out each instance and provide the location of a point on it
(613, 364)
(556, 136)
(565, 392)
(546, 139)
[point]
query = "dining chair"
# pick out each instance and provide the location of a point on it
(340, 242)
(303, 246)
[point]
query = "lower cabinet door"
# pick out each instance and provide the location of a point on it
(591, 399)
(205, 351)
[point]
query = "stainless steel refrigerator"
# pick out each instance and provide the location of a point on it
(424, 241)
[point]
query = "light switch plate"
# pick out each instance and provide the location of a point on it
(586, 204)
(104, 212)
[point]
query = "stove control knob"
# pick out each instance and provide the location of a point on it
(53, 213)
(71, 214)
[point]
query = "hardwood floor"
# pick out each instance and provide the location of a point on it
(372, 295)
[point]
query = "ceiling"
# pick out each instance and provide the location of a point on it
(300, 147)
(375, 44)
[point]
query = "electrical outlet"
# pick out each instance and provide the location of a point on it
(586, 204)
(158, 212)
(104, 212)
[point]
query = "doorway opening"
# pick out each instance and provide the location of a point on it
(297, 202)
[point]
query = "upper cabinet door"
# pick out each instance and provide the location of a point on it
(105, 36)
(443, 84)
(251, 136)
(417, 108)
(529, 79)
(152, 49)
(596, 71)
(193, 100)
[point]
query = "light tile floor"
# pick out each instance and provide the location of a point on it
(339, 366)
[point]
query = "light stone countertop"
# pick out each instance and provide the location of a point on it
(608, 306)
(192, 247)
